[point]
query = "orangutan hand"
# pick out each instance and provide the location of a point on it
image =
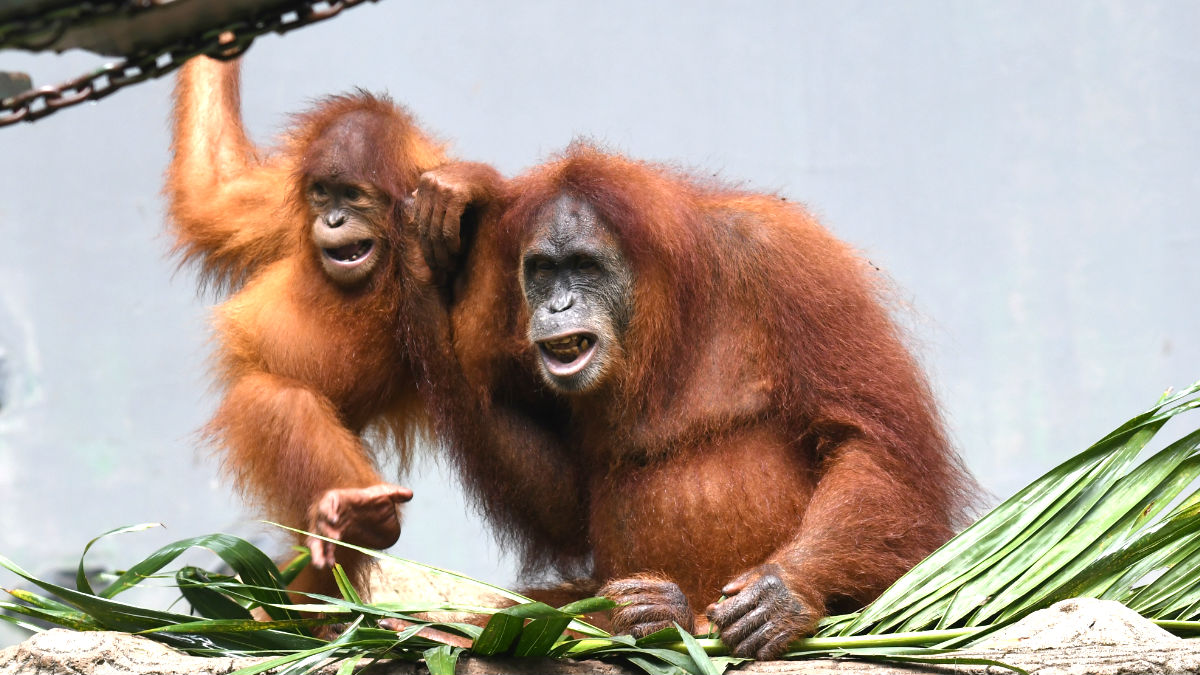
(760, 615)
(361, 516)
(647, 604)
(437, 208)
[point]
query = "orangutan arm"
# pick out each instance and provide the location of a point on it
(864, 527)
(287, 449)
(227, 207)
(504, 442)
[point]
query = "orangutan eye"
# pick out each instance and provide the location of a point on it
(538, 266)
(318, 191)
(353, 193)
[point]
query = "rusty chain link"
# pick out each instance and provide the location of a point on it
(42, 101)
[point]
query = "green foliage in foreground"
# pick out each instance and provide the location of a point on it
(1100, 525)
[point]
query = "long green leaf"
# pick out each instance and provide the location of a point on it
(1181, 524)
(581, 647)
(316, 660)
(23, 625)
(653, 666)
(284, 660)
(301, 661)
(975, 544)
(442, 660)
(682, 661)
(977, 553)
(348, 666)
(39, 601)
(1155, 546)
(344, 586)
(539, 636)
(81, 580)
(1169, 405)
(498, 635)
(1175, 589)
(1056, 530)
(204, 626)
(289, 572)
(203, 595)
(969, 586)
(1182, 628)
(1127, 528)
(704, 665)
(587, 606)
(111, 614)
(74, 620)
(1110, 505)
(114, 615)
(251, 564)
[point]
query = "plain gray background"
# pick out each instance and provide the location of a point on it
(1027, 173)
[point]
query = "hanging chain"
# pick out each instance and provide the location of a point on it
(42, 101)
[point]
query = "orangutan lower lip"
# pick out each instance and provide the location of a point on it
(350, 253)
(568, 354)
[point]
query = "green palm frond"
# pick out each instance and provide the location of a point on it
(1102, 524)
(1098, 525)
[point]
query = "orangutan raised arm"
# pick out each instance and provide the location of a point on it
(227, 200)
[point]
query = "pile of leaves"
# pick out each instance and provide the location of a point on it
(1103, 524)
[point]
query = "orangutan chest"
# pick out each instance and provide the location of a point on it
(669, 516)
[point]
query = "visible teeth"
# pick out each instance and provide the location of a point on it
(567, 349)
(350, 253)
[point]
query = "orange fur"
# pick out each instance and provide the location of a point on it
(308, 367)
(765, 413)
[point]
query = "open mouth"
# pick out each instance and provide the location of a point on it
(567, 355)
(350, 253)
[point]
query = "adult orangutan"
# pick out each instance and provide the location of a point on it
(725, 407)
(309, 237)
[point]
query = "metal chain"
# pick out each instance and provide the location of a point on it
(42, 101)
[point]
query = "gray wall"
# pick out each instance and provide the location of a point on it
(1026, 173)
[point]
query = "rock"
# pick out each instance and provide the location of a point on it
(1079, 622)
(59, 651)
